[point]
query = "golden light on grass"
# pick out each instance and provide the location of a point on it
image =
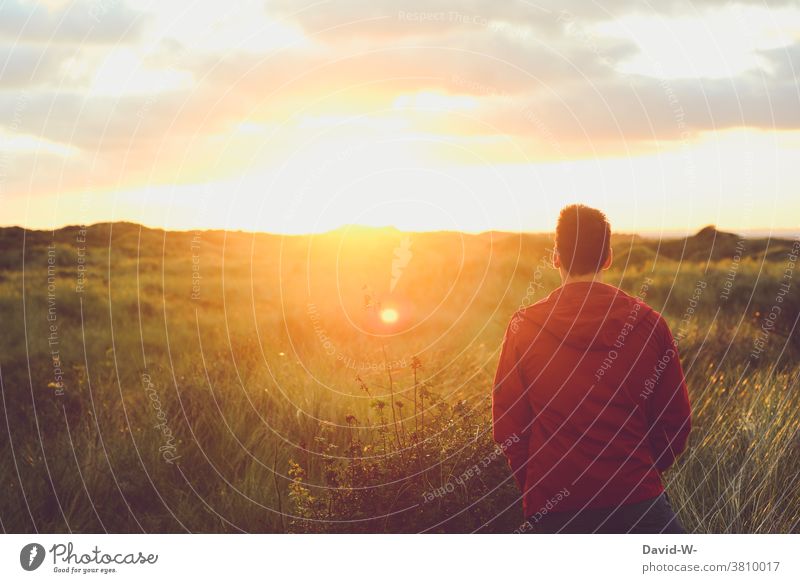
(389, 315)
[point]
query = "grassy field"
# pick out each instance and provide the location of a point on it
(222, 382)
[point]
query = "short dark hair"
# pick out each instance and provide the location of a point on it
(583, 239)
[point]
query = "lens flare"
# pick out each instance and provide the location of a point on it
(389, 316)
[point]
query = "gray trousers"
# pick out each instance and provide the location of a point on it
(647, 517)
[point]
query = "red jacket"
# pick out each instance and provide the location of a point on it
(589, 401)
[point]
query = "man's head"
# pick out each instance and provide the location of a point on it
(583, 242)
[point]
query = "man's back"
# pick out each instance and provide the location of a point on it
(590, 382)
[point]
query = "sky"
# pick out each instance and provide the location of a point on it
(298, 116)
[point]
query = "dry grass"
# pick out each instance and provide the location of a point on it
(275, 391)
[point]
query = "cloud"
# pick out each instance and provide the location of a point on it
(28, 66)
(41, 45)
(538, 72)
(95, 22)
(342, 19)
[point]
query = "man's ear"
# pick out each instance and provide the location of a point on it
(556, 259)
(609, 259)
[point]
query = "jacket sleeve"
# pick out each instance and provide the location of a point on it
(668, 409)
(511, 412)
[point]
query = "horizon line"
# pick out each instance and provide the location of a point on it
(645, 233)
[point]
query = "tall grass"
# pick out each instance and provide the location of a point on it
(288, 406)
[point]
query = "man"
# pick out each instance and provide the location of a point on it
(589, 401)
